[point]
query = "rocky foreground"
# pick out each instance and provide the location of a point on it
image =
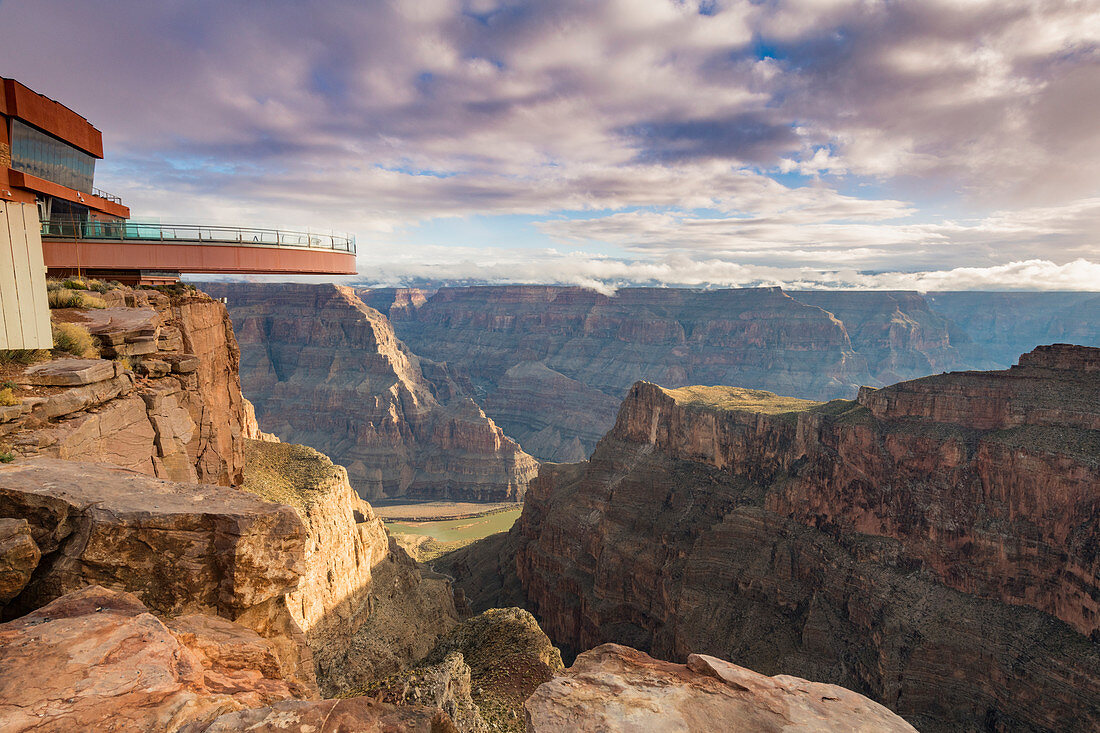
(327, 371)
(270, 598)
(932, 545)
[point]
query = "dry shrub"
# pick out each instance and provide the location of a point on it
(62, 298)
(72, 338)
(8, 398)
(22, 356)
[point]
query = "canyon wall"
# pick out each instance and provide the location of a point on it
(165, 401)
(931, 545)
(533, 350)
(550, 364)
(325, 370)
(992, 329)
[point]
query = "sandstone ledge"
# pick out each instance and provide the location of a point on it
(98, 655)
(615, 688)
(179, 547)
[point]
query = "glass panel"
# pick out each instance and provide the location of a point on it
(36, 153)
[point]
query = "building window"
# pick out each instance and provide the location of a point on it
(38, 154)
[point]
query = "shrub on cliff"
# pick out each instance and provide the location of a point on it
(22, 356)
(8, 398)
(59, 297)
(74, 339)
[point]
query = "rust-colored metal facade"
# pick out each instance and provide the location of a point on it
(32, 115)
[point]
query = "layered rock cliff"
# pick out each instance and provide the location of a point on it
(325, 370)
(591, 347)
(551, 364)
(165, 400)
(932, 545)
(365, 607)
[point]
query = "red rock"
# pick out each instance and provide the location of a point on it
(325, 370)
(615, 688)
(179, 547)
(193, 427)
(19, 556)
(946, 570)
(96, 659)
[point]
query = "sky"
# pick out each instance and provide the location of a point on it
(707, 143)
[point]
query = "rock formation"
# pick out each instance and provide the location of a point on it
(168, 405)
(615, 689)
(992, 329)
(325, 370)
(365, 607)
(96, 655)
(552, 363)
(932, 545)
(898, 334)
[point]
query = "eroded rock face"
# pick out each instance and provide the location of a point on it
(615, 688)
(178, 547)
(592, 347)
(19, 556)
(948, 571)
(325, 370)
(366, 609)
(96, 659)
(176, 414)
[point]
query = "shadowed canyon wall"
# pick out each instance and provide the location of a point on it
(325, 370)
(932, 545)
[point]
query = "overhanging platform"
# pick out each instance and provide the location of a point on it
(124, 250)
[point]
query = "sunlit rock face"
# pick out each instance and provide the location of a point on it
(363, 605)
(325, 370)
(931, 545)
(616, 689)
(164, 400)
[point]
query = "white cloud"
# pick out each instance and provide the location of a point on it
(373, 116)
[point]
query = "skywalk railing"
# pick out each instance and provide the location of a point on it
(104, 195)
(193, 234)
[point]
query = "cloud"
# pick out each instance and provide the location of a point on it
(605, 274)
(908, 136)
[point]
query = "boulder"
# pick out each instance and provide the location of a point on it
(19, 556)
(69, 372)
(96, 659)
(615, 688)
(179, 547)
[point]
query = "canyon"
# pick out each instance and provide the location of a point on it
(550, 364)
(931, 544)
(325, 370)
(166, 565)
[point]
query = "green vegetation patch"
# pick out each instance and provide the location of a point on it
(22, 356)
(845, 411)
(738, 399)
(286, 473)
